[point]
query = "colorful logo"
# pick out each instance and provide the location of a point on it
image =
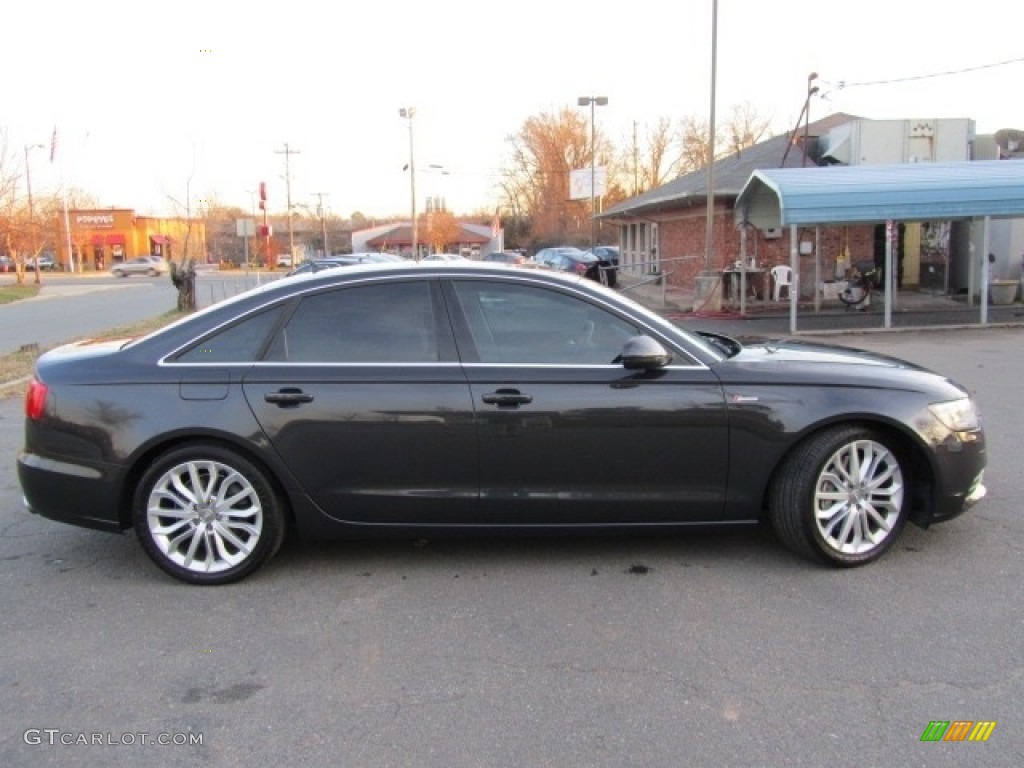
(958, 730)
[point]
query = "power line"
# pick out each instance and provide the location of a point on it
(843, 84)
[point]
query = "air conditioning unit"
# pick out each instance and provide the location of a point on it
(772, 233)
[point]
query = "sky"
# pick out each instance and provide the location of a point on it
(158, 104)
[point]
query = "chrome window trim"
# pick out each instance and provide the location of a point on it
(615, 366)
(278, 364)
(546, 366)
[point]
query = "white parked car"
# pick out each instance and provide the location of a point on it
(140, 265)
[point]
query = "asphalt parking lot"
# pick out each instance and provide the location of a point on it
(712, 649)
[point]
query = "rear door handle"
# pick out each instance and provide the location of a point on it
(288, 398)
(512, 398)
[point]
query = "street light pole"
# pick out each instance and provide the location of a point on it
(409, 113)
(593, 101)
(802, 118)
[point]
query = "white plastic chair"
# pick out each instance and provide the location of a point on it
(782, 277)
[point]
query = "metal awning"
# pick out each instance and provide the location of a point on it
(872, 194)
(878, 193)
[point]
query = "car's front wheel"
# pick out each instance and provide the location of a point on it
(841, 496)
(207, 515)
(119, 273)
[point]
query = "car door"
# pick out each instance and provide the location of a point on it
(363, 398)
(567, 434)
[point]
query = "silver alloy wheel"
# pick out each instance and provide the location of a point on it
(858, 497)
(204, 516)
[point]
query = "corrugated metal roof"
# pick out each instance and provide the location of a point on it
(877, 193)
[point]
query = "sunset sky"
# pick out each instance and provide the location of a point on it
(201, 97)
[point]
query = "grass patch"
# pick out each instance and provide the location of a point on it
(17, 366)
(13, 292)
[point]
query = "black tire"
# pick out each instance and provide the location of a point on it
(842, 496)
(194, 539)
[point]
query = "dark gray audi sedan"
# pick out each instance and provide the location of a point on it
(442, 396)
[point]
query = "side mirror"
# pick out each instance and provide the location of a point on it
(644, 354)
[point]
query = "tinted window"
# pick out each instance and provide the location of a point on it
(523, 324)
(384, 323)
(242, 342)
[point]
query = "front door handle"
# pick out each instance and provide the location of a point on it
(511, 398)
(288, 398)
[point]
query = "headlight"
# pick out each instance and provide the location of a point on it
(959, 415)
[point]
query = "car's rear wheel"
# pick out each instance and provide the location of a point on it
(841, 496)
(119, 273)
(207, 515)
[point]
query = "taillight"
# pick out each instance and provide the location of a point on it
(581, 268)
(35, 400)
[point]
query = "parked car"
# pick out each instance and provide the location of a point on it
(46, 261)
(367, 257)
(7, 264)
(284, 261)
(315, 265)
(343, 260)
(609, 253)
(505, 257)
(140, 265)
(432, 397)
(577, 261)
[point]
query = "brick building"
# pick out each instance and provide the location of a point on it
(665, 229)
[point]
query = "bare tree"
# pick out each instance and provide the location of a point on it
(535, 183)
(745, 127)
(12, 222)
(183, 269)
(651, 160)
(23, 235)
(442, 230)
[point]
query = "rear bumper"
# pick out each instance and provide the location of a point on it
(48, 485)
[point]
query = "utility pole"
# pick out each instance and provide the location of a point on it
(288, 152)
(322, 213)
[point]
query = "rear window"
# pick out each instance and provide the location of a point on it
(242, 342)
